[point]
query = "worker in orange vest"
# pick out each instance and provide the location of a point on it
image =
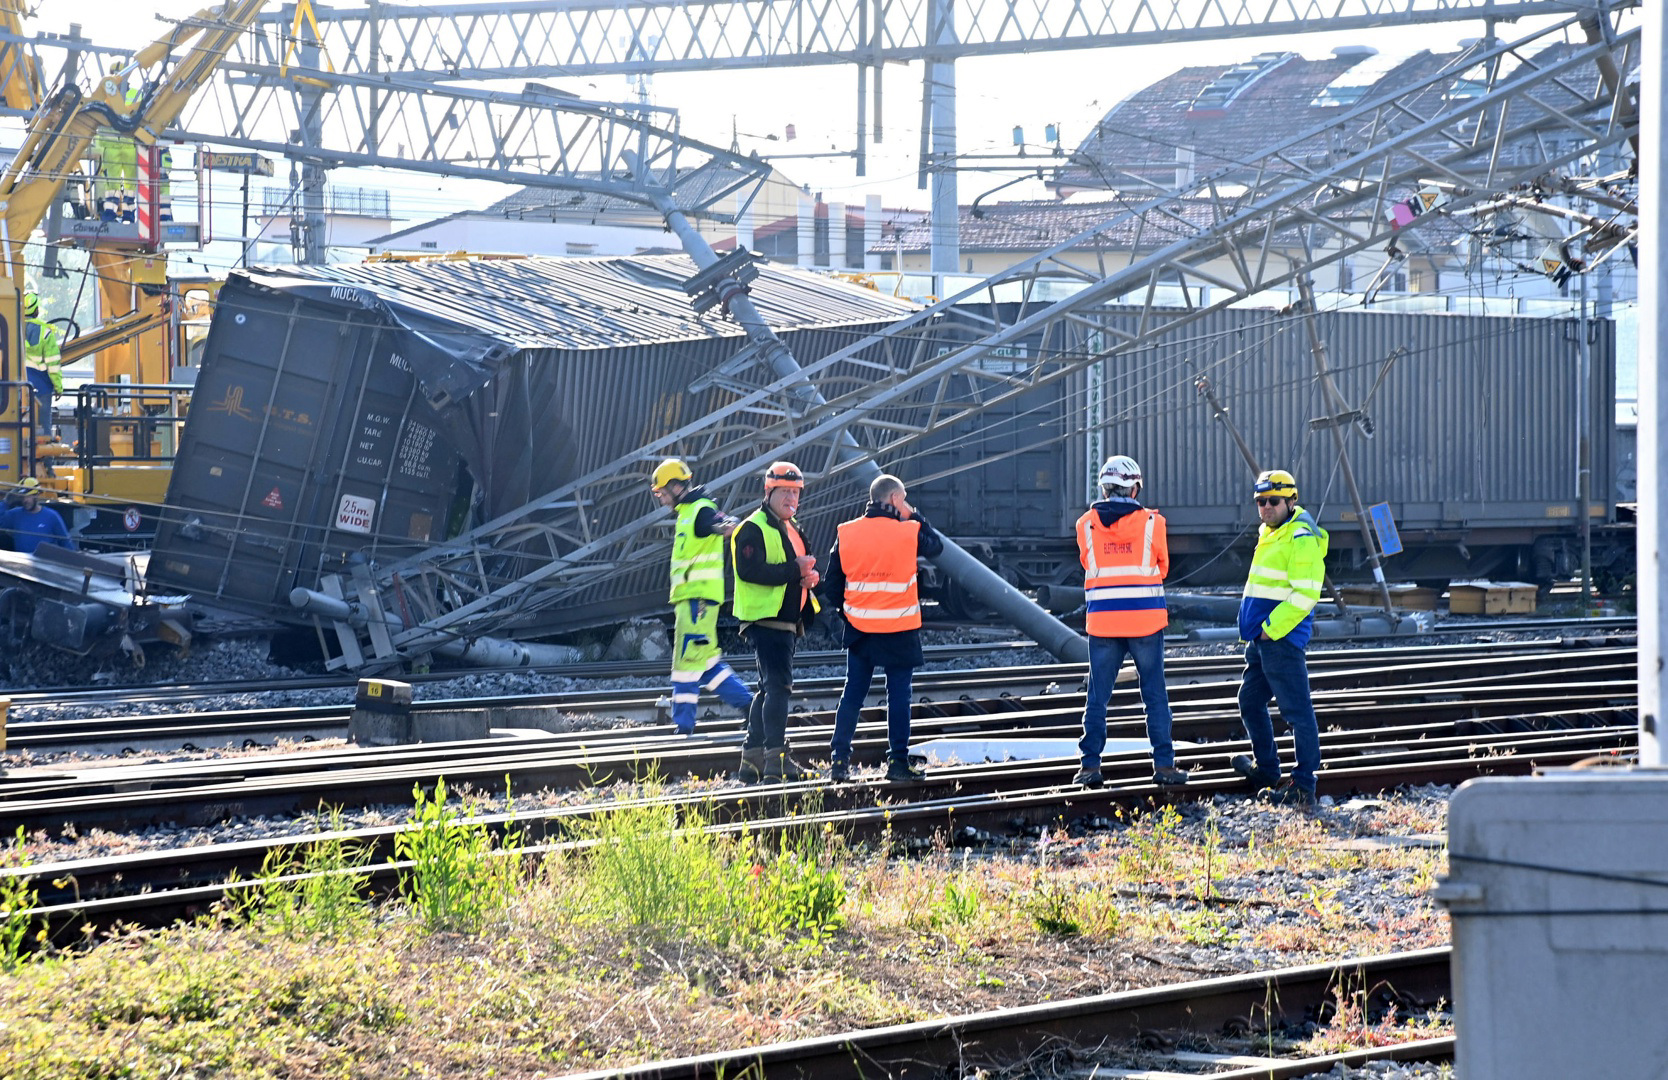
(1126, 556)
(871, 580)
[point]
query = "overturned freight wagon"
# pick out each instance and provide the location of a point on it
(347, 416)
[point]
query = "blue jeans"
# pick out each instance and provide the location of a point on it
(1280, 669)
(1106, 656)
(860, 674)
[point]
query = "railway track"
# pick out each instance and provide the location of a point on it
(980, 805)
(248, 728)
(175, 694)
(1100, 1036)
(1469, 699)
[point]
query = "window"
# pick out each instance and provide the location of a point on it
(574, 248)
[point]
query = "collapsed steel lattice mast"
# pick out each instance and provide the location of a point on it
(1299, 206)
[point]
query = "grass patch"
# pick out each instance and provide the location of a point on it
(664, 935)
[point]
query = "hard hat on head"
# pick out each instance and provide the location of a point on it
(1277, 482)
(30, 484)
(1120, 471)
(669, 470)
(784, 474)
(31, 303)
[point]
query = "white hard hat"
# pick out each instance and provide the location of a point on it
(1120, 471)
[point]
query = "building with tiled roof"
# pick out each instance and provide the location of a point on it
(1210, 120)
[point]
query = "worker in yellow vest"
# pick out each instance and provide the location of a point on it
(43, 360)
(115, 184)
(774, 577)
(1276, 618)
(871, 580)
(1125, 552)
(697, 593)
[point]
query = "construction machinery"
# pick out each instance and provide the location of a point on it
(129, 412)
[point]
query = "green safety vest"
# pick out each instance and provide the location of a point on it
(754, 602)
(1286, 573)
(697, 561)
(41, 350)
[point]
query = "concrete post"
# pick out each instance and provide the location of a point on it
(871, 231)
(807, 234)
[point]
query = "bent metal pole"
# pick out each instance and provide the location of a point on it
(974, 576)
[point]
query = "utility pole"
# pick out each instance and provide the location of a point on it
(1340, 413)
(1653, 393)
(941, 94)
(1584, 445)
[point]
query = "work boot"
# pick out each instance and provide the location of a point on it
(1089, 776)
(1246, 766)
(1287, 794)
(752, 765)
(900, 771)
(1169, 776)
(839, 772)
(780, 767)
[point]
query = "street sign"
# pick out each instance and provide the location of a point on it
(235, 162)
(1389, 541)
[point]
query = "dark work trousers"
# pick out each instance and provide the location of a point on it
(767, 717)
(860, 673)
(1280, 669)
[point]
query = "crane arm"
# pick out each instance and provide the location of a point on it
(20, 73)
(64, 125)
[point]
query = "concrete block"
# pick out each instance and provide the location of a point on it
(1558, 892)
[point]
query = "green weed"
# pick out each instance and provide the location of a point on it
(318, 894)
(17, 896)
(459, 877)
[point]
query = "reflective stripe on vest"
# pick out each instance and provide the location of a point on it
(1123, 586)
(697, 561)
(877, 555)
(754, 602)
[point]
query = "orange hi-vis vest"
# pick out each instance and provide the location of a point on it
(878, 557)
(1124, 566)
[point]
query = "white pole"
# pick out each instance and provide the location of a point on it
(1653, 390)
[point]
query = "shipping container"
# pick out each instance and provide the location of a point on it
(1470, 435)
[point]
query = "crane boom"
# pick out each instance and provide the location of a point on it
(58, 137)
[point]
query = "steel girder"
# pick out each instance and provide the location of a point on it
(539, 137)
(1311, 201)
(554, 38)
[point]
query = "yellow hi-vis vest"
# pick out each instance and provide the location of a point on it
(754, 602)
(41, 350)
(878, 557)
(697, 561)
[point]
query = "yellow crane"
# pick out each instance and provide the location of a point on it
(137, 100)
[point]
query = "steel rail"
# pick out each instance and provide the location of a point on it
(1210, 713)
(959, 1045)
(965, 803)
(299, 723)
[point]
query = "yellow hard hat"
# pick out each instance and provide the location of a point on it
(30, 484)
(31, 303)
(1277, 482)
(784, 474)
(669, 470)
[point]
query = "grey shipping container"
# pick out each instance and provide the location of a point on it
(1474, 443)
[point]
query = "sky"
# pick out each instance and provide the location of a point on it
(995, 94)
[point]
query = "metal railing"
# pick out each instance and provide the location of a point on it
(129, 423)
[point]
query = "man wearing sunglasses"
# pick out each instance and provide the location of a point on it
(1276, 617)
